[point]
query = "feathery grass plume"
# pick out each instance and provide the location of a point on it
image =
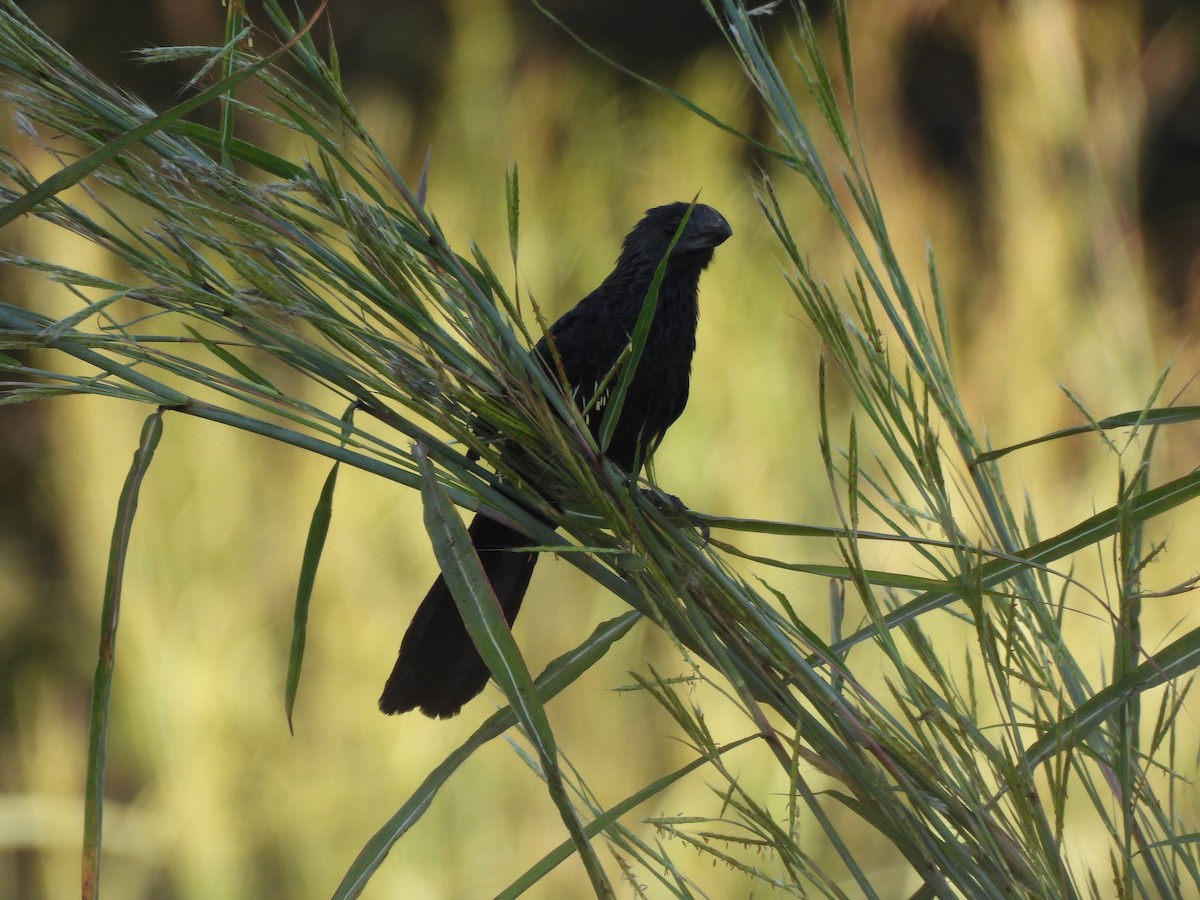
(250, 275)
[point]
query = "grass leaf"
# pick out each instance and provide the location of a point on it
(107, 657)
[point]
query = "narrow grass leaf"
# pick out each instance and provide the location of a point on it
(1088, 532)
(314, 546)
(1160, 416)
(232, 361)
(105, 664)
(512, 198)
(1177, 658)
(238, 149)
(607, 819)
(489, 631)
(477, 603)
(558, 674)
(235, 33)
(77, 171)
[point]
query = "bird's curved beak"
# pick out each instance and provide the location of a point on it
(706, 228)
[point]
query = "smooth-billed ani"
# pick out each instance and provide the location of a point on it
(438, 668)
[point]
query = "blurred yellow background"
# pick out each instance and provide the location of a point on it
(1037, 147)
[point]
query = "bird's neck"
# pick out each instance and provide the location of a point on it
(677, 294)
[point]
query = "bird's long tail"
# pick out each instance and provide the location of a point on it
(439, 669)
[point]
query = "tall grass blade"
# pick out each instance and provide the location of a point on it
(559, 674)
(485, 622)
(107, 658)
(314, 546)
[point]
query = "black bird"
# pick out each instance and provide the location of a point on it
(439, 669)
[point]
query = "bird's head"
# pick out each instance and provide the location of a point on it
(704, 231)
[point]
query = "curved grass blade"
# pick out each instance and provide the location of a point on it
(1088, 532)
(77, 171)
(238, 149)
(232, 361)
(235, 15)
(489, 631)
(664, 90)
(93, 813)
(547, 863)
(557, 675)
(318, 530)
(1177, 658)
(476, 601)
(1165, 416)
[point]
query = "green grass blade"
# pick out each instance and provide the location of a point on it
(1160, 416)
(607, 819)
(1177, 658)
(485, 622)
(318, 530)
(77, 171)
(512, 197)
(235, 16)
(1104, 524)
(477, 603)
(232, 361)
(106, 661)
(560, 673)
(238, 149)
(314, 546)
